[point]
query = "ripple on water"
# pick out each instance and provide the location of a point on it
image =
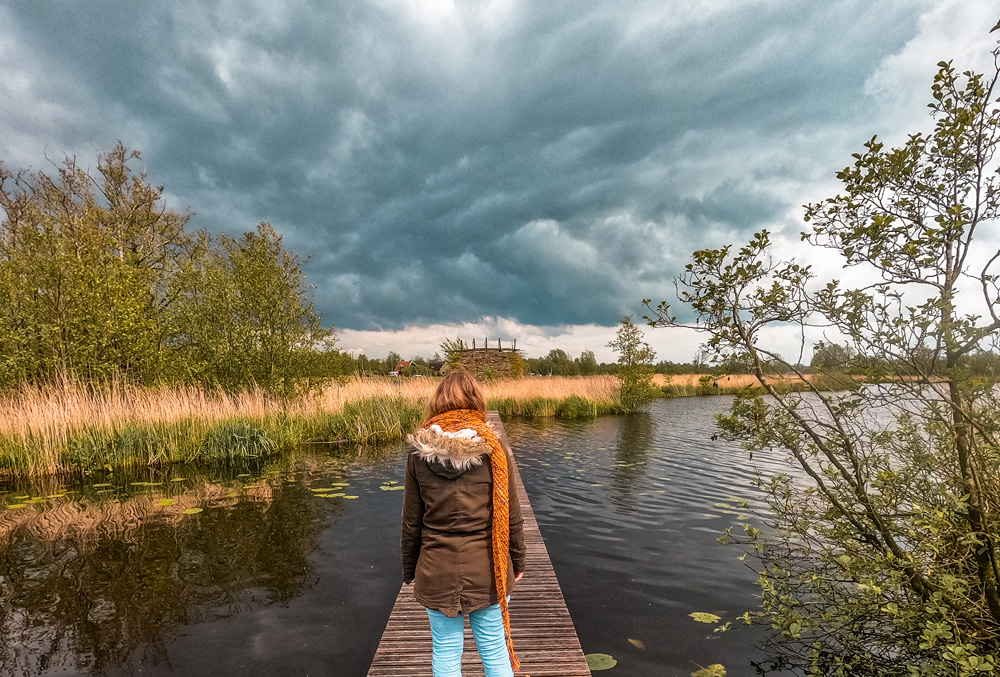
(633, 536)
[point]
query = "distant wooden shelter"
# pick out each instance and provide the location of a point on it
(486, 361)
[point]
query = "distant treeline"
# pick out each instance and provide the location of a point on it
(98, 280)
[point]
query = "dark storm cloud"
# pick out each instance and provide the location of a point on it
(547, 162)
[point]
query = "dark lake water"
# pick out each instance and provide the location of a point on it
(277, 574)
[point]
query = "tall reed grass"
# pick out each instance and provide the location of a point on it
(69, 427)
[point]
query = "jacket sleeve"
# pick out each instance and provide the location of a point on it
(413, 521)
(517, 548)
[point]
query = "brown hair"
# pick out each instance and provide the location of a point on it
(458, 390)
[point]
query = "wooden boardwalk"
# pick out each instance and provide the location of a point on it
(543, 631)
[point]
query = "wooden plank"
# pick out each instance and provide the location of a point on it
(543, 631)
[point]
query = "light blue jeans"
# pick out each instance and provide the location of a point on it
(487, 628)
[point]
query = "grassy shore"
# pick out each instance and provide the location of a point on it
(49, 430)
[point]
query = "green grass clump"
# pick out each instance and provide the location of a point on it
(575, 406)
(238, 439)
(377, 419)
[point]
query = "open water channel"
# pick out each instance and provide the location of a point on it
(291, 566)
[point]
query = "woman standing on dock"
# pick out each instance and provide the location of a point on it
(462, 542)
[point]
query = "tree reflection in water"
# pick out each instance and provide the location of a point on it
(633, 447)
(88, 581)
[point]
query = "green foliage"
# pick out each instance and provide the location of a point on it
(882, 556)
(82, 283)
(100, 282)
(242, 315)
(575, 406)
(452, 349)
(635, 370)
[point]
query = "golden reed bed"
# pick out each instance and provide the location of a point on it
(50, 415)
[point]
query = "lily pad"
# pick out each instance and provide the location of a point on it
(600, 661)
(21, 498)
(351, 497)
(703, 617)
(714, 670)
(104, 484)
(192, 511)
(178, 479)
(167, 501)
(324, 489)
(337, 495)
(35, 500)
(245, 474)
(637, 643)
(15, 506)
(395, 488)
(55, 496)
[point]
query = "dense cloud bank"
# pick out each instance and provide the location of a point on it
(550, 163)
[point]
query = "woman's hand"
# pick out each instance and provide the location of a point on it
(518, 577)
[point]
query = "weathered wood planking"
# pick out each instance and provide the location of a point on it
(543, 631)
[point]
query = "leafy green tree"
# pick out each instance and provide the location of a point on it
(244, 315)
(587, 363)
(84, 268)
(883, 557)
(392, 360)
(452, 349)
(635, 366)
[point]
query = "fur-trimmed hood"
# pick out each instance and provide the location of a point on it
(449, 454)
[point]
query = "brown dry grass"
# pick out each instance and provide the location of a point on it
(51, 415)
(727, 381)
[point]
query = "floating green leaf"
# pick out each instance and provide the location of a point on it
(597, 484)
(337, 495)
(167, 501)
(15, 506)
(637, 643)
(176, 479)
(55, 496)
(387, 488)
(101, 485)
(350, 496)
(35, 500)
(324, 489)
(192, 511)
(714, 670)
(21, 498)
(246, 474)
(723, 505)
(600, 661)
(703, 617)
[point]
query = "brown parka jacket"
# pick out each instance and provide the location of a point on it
(447, 523)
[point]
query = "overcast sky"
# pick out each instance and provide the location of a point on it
(506, 168)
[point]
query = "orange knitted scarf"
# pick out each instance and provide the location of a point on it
(459, 419)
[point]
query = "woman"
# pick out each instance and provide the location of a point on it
(463, 543)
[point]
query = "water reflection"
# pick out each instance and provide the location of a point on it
(633, 447)
(99, 574)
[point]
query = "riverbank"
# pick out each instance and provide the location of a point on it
(50, 430)
(73, 429)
